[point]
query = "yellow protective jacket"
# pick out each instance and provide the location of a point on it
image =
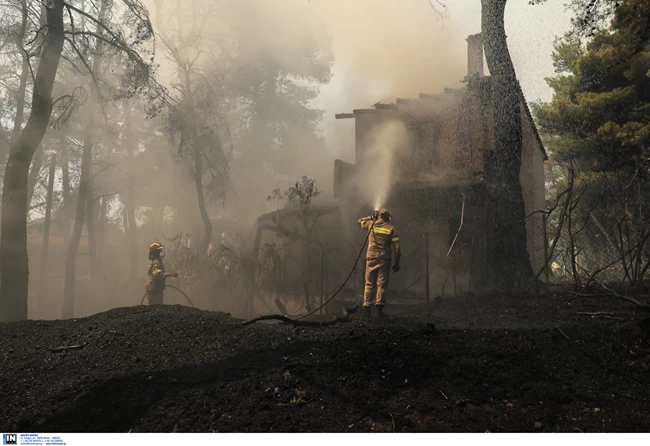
(381, 239)
(156, 275)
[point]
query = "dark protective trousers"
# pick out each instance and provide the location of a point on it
(155, 297)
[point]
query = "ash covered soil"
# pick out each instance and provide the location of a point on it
(497, 364)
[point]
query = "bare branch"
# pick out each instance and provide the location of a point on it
(639, 305)
(90, 17)
(84, 61)
(442, 15)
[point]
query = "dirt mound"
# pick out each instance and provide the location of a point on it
(175, 368)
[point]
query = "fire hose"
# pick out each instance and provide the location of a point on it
(347, 311)
(354, 266)
(397, 296)
(177, 289)
(347, 278)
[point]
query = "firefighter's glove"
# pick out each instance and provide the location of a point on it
(375, 215)
(396, 268)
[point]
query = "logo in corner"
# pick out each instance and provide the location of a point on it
(9, 438)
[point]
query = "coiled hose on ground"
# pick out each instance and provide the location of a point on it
(337, 319)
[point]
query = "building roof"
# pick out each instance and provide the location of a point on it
(425, 98)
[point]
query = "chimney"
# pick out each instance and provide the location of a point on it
(475, 55)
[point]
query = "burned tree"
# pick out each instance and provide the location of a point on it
(61, 37)
(510, 261)
(300, 196)
(198, 130)
(196, 127)
(131, 226)
(14, 267)
(102, 42)
(42, 289)
(597, 133)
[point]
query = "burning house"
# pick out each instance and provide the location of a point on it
(436, 155)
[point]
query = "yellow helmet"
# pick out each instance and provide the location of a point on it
(156, 246)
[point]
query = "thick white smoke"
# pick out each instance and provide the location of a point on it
(389, 141)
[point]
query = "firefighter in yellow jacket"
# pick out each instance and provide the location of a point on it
(382, 241)
(155, 286)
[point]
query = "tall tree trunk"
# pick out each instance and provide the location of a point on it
(69, 281)
(92, 233)
(308, 280)
(42, 287)
(101, 231)
(125, 223)
(132, 228)
(510, 261)
(85, 188)
(198, 173)
(66, 208)
(198, 182)
(24, 74)
(37, 164)
(14, 263)
(185, 67)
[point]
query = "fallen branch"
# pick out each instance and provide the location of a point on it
(140, 312)
(298, 323)
(602, 315)
(575, 293)
(65, 348)
(639, 305)
(564, 335)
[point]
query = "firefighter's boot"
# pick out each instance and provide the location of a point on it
(380, 311)
(368, 311)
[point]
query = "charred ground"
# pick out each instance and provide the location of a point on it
(497, 364)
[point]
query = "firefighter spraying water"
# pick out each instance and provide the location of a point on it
(382, 241)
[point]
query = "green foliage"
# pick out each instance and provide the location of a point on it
(299, 195)
(567, 52)
(195, 121)
(592, 15)
(598, 125)
(599, 116)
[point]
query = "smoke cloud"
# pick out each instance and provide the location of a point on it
(282, 70)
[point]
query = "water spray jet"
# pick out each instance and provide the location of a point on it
(380, 164)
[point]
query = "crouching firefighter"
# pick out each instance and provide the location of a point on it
(155, 286)
(382, 238)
